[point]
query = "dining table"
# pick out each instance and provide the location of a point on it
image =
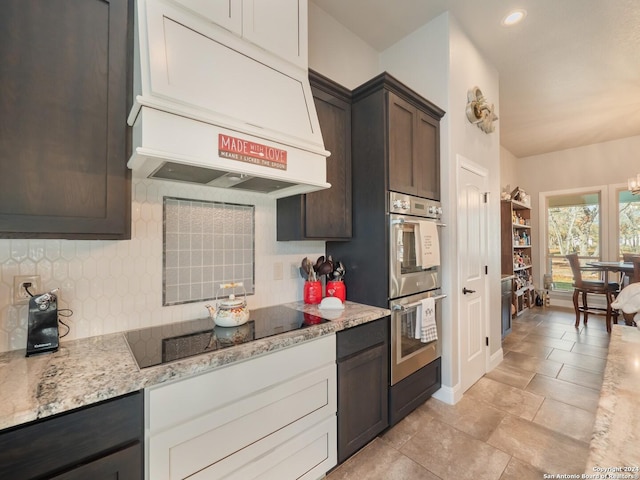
(617, 267)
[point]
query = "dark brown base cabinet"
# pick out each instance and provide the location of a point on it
(120, 465)
(363, 382)
(411, 392)
(100, 442)
(325, 214)
(66, 85)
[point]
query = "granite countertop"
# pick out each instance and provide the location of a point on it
(615, 444)
(93, 369)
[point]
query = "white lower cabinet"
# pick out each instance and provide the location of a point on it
(272, 417)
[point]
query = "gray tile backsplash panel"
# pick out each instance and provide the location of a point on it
(206, 244)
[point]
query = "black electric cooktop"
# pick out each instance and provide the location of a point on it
(165, 343)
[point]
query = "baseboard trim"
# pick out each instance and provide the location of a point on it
(495, 359)
(449, 395)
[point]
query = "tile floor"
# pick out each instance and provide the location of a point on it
(531, 415)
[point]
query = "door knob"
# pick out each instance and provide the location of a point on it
(465, 290)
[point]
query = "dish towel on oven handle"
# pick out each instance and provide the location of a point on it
(427, 245)
(426, 330)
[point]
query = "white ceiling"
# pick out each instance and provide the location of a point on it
(569, 73)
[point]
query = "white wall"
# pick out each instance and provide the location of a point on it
(338, 53)
(468, 69)
(600, 163)
(508, 169)
(421, 61)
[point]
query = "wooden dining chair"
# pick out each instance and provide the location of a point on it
(583, 288)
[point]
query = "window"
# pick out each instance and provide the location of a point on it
(628, 224)
(573, 225)
(598, 223)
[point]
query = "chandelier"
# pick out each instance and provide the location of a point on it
(634, 184)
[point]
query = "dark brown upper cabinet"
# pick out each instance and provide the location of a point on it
(409, 126)
(325, 214)
(65, 78)
(414, 151)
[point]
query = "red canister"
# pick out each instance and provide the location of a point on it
(312, 292)
(335, 288)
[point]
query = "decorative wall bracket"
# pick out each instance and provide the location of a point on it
(479, 112)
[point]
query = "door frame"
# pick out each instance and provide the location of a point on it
(464, 163)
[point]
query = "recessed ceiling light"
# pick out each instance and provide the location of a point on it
(514, 17)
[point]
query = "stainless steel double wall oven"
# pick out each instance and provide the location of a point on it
(410, 283)
(415, 365)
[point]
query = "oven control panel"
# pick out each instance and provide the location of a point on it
(416, 206)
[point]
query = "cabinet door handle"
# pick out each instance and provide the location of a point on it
(465, 290)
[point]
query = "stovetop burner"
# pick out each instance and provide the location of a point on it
(165, 343)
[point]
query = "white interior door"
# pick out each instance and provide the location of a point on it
(472, 261)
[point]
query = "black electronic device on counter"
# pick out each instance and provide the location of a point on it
(42, 328)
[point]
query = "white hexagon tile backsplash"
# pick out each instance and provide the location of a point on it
(114, 286)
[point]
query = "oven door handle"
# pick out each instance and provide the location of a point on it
(402, 221)
(409, 306)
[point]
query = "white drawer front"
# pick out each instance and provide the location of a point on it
(306, 456)
(214, 437)
(181, 401)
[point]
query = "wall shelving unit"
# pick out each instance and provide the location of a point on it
(517, 255)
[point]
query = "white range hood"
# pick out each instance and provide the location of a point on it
(213, 108)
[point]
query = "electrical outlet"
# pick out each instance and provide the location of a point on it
(20, 295)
